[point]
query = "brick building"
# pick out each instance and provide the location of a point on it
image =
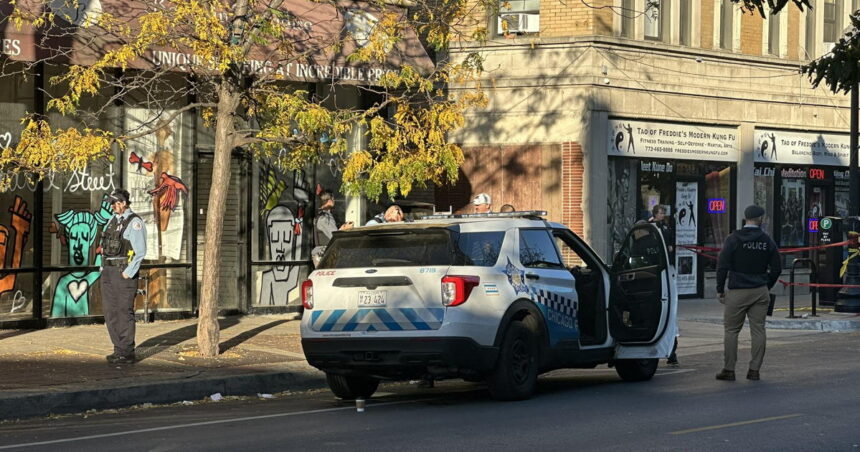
(600, 110)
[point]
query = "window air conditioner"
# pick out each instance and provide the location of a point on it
(519, 23)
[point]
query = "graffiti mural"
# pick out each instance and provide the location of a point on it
(283, 218)
(78, 229)
(21, 220)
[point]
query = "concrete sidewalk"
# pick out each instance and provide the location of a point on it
(63, 370)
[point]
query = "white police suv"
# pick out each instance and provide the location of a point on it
(494, 297)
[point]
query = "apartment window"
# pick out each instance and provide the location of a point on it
(685, 10)
(628, 17)
(832, 20)
(727, 19)
(519, 16)
(809, 46)
(773, 34)
(653, 19)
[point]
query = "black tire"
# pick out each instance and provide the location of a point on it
(636, 369)
(349, 388)
(515, 374)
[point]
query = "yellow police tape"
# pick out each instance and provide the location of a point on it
(851, 255)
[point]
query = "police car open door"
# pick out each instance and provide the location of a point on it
(642, 299)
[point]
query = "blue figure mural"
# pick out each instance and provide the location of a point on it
(79, 229)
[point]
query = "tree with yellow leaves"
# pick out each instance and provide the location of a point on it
(237, 60)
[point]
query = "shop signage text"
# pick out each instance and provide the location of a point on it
(657, 167)
(799, 148)
(672, 141)
(12, 47)
(716, 205)
(765, 172)
(791, 173)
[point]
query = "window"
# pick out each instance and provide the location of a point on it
(832, 20)
(810, 30)
(643, 248)
(628, 18)
(519, 16)
(773, 24)
(685, 9)
(727, 19)
(480, 248)
(537, 249)
(653, 19)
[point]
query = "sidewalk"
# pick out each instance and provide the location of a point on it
(63, 370)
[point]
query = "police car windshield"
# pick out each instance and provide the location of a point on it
(416, 247)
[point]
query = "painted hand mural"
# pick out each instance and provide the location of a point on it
(79, 230)
(21, 220)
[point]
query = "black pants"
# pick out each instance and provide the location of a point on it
(118, 306)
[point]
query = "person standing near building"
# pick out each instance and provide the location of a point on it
(325, 225)
(482, 203)
(123, 248)
(751, 261)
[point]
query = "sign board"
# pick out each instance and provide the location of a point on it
(800, 148)
(686, 261)
(672, 141)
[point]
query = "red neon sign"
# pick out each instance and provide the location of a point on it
(816, 173)
(716, 205)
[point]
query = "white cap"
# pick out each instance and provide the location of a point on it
(482, 198)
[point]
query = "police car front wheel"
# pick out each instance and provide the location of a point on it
(516, 368)
(349, 388)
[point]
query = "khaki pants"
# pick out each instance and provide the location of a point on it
(741, 303)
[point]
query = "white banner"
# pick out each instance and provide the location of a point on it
(779, 146)
(153, 170)
(686, 263)
(672, 141)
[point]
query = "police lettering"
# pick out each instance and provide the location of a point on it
(755, 246)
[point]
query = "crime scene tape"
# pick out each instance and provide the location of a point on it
(850, 286)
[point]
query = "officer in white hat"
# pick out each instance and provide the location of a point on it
(482, 203)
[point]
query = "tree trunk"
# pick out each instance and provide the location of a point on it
(207, 324)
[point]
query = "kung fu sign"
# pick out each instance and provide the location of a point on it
(672, 141)
(799, 148)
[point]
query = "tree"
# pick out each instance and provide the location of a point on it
(237, 59)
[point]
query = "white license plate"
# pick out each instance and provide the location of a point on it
(371, 298)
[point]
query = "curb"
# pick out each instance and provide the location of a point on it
(18, 407)
(832, 326)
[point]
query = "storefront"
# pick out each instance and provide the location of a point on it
(690, 170)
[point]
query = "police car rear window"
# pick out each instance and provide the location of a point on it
(412, 248)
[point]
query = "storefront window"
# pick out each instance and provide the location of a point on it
(792, 212)
(765, 195)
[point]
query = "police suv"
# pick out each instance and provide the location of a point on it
(493, 297)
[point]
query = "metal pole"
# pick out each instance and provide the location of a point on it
(854, 175)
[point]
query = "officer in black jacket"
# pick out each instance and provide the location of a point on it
(751, 261)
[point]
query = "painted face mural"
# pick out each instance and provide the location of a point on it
(285, 244)
(79, 229)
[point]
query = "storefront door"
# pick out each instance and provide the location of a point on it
(234, 260)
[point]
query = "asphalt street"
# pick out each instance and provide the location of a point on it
(808, 399)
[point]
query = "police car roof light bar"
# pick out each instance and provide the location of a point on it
(538, 214)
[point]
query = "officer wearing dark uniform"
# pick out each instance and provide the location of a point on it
(751, 261)
(123, 245)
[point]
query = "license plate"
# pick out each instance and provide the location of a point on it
(371, 298)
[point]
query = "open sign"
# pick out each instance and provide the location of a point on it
(716, 205)
(813, 225)
(816, 173)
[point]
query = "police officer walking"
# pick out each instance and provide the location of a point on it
(123, 245)
(751, 260)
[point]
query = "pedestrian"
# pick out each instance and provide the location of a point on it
(123, 247)
(751, 261)
(392, 214)
(325, 225)
(482, 203)
(658, 217)
(507, 208)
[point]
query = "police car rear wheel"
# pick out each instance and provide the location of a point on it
(516, 369)
(349, 388)
(636, 369)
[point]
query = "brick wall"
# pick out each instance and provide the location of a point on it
(751, 33)
(572, 170)
(794, 19)
(707, 24)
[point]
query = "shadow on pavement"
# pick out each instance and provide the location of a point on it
(158, 343)
(244, 336)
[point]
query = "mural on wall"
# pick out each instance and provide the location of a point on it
(284, 232)
(21, 221)
(622, 200)
(78, 229)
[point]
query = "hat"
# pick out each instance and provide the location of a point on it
(753, 211)
(119, 195)
(482, 198)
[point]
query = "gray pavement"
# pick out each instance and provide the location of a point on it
(63, 370)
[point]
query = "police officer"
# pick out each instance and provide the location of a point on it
(325, 225)
(123, 245)
(751, 260)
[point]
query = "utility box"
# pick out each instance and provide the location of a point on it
(829, 260)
